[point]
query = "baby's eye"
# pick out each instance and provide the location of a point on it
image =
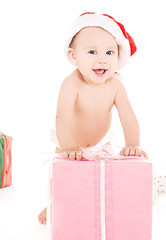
(92, 52)
(109, 52)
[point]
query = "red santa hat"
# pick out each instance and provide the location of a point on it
(125, 42)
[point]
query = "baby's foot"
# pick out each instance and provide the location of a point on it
(43, 216)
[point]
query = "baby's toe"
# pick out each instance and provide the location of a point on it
(42, 218)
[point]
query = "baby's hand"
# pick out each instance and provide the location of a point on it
(133, 151)
(75, 154)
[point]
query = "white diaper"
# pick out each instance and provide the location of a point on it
(53, 137)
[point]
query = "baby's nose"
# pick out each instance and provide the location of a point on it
(102, 61)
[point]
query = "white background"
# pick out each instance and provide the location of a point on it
(33, 65)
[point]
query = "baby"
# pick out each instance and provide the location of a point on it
(98, 46)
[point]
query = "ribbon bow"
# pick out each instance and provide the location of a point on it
(105, 151)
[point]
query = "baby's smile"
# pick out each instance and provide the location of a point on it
(100, 71)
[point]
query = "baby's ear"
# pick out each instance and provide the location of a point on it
(72, 56)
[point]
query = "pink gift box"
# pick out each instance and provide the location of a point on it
(102, 200)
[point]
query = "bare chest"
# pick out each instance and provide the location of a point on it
(94, 103)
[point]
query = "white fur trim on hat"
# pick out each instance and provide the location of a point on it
(126, 44)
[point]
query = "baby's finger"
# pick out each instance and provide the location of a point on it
(126, 152)
(79, 155)
(138, 152)
(144, 154)
(132, 152)
(66, 155)
(122, 151)
(72, 155)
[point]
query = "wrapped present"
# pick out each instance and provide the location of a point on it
(5, 160)
(104, 199)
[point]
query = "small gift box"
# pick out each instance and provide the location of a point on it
(5, 160)
(104, 199)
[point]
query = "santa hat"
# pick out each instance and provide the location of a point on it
(125, 42)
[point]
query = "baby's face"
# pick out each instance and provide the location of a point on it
(95, 52)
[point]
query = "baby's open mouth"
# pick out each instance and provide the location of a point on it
(99, 71)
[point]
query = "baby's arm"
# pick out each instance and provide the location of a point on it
(129, 123)
(64, 120)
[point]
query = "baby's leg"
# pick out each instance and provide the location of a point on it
(42, 217)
